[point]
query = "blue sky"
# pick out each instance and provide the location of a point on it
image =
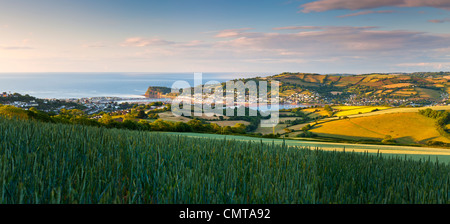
(324, 36)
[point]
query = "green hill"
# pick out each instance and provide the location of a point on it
(420, 88)
(157, 91)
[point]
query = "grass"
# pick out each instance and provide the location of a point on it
(168, 116)
(55, 163)
(287, 119)
(269, 130)
(429, 93)
(406, 128)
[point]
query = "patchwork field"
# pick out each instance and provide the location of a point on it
(406, 128)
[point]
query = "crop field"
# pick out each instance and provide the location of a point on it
(230, 123)
(55, 163)
(330, 79)
(398, 85)
(316, 112)
(315, 78)
(287, 119)
(401, 110)
(269, 130)
(407, 128)
(428, 93)
(349, 80)
(411, 152)
(351, 110)
(168, 116)
(297, 81)
(404, 92)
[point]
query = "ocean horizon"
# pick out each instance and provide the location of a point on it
(83, 85)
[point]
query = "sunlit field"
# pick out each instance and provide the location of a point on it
(406, 128)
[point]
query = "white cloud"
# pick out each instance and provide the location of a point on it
(428, 65)
(439, 20)
(15, 48)
(367, 12)
(326, 5)
(327, 47)
(231, 32)
(143, 42)
(94, 45)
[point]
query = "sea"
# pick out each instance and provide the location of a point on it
(85, 85)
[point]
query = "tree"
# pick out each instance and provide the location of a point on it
(307, 134)
(388, 140)
(161, 125)
(106, 119)
(144, 125)
(130, 124)
(227, 130)
(152, 116)
(328, 109)
(306, 128)
(141, 115)
(196, 125)
(216, 128)
(239, 128)
(182, 127)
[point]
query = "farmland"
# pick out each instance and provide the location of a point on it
(57, 163)
(406, 128)
(230, 123)
(411, 152)
(352, 110)
(365, 89)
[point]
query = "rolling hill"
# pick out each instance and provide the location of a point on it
(417, 88)
(405, 128)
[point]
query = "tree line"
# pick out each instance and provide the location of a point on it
(78, 117)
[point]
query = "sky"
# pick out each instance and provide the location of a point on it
(268, 36)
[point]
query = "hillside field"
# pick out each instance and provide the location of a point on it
(405, 128)
(352, 110)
